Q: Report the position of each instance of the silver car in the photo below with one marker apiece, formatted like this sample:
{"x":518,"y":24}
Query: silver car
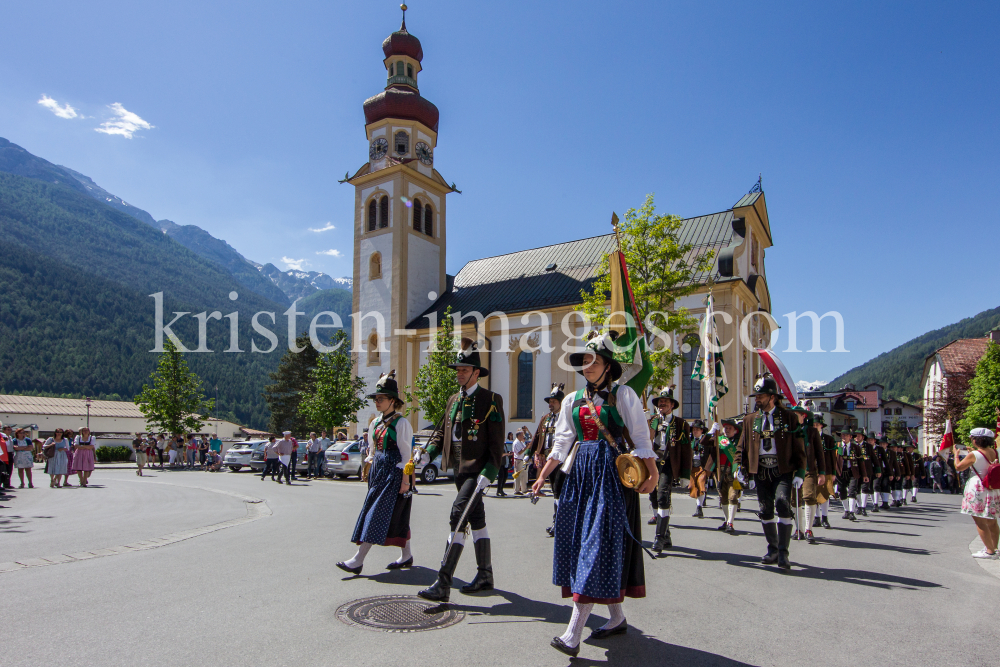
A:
{"x":343,"y":459}
{"x":238,"y":456}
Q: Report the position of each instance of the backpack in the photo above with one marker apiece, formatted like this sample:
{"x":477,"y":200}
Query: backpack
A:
{"x":991,"y":480}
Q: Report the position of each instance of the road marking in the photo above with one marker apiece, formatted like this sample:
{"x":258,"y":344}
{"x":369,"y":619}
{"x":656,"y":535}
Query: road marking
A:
{"x":256,"y":509}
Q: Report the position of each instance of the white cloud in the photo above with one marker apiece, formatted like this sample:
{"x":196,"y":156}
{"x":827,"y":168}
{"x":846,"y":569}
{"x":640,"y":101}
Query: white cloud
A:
{"x":325,"y":228}
{"x":294,"y":264}
{"x":125,"y":123}
{"x":65,"y":111}
{"x":332,"y":252}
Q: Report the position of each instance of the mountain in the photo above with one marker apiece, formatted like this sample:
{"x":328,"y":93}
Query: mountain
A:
{"x":333,"y":300}
{"x":899,"y":370}
{"x":298,"y":284}
{"x":16,"y":160}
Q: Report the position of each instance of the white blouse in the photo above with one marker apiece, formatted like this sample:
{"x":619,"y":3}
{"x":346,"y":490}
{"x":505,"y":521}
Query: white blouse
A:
{"x":404,"y":438}
{"x":629,"y":407}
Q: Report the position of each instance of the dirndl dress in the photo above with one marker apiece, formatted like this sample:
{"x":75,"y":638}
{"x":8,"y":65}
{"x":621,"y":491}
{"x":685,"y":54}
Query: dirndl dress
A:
{"x":595,"y":560}
{"x":385,"y":514}
{"x":979,"y":501}
{"x":58,"y":463}
{"x":24,"y":459}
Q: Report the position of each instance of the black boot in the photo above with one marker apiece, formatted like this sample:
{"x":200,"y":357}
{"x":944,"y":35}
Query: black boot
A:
{"x":885,"y":505}
{"x":662,"y":540}
{"x":652,"y":521}
{"x":826,"y":522}
{"x":847,"y":515}
{"x":864,"y":511}
{"x":698,"y":514}
{"x":483,"y":580}
{"x":771,"y":535}
{"x":875,"y":506}
{"x":441,"y":590}
{"x":816,"y":523}
{"x":784,"y":536}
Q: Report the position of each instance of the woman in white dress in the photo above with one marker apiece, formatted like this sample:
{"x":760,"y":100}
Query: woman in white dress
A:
{"x":24,"y":455}
{"x":58,"y":467}
{"x":979,"y":502}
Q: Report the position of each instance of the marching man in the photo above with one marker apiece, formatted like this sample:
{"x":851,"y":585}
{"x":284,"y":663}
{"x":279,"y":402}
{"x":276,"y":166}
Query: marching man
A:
{"x":541,"y":446}
{"x":672,"y":445}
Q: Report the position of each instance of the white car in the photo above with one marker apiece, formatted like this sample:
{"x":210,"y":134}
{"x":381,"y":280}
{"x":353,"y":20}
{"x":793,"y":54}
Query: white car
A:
{"x":238,"y":456}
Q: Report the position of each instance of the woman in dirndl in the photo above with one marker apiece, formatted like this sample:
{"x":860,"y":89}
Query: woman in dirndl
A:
{"x":385,"y":514}
{"x":83,"y":455}
{"x":24,"y":456}
{"x":981,"y":503}
{"x":598,"y":548}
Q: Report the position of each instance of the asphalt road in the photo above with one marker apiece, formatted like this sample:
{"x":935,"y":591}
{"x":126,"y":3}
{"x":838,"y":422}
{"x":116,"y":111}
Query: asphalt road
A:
{"x":261,"y":588}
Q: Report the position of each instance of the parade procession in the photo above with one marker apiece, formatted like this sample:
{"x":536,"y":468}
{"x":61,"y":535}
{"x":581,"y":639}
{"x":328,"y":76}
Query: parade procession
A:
{"x":661,"y":336}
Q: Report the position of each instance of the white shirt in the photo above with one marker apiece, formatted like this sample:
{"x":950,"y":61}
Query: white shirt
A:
{"x":456,"y":432}
{"x":767,"y":424}
{"x":324,"y":444}
{"x":404,"y":438}
{"x":517,"y":448}
{"x":629,"y":407}
{"x":313,"y":445}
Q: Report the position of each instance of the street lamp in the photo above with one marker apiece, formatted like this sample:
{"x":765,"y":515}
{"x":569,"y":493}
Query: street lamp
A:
{"x":88,"y":400}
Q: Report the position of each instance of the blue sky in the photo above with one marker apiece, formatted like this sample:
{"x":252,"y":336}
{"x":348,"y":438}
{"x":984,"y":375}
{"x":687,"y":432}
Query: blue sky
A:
{"x":875,"y":126}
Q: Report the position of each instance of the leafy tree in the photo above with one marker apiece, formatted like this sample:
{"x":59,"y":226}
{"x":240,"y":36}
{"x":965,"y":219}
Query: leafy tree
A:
{"x":292,"y":381}
{"x":897,"y":430}
{"x":175,"y":402}
{"x":435,"y":382}
{"x":661,"y":270}
{"x":335,"y":395}
{"x":952,"y":404}
{"x":983,"y":395}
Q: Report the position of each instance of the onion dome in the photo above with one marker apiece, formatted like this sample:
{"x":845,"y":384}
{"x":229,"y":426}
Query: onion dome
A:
{"x":402,"y":43}
{"x":401,"y":102}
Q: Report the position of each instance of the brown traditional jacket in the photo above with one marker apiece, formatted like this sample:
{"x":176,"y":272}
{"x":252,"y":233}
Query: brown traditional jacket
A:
{"x":471,"y":456}
{"x":678,"y":446}
{"x":892,"y":463}
{"x":709,"y":453}
{"x":815,"y":458}
{"x":789,"y":446}
{"x":545,"y":425}
{"x":830,"y":456}
{"x":851,"y":456}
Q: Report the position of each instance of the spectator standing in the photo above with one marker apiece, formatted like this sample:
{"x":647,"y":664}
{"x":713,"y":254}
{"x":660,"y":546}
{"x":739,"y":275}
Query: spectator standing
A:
{"x":270,"y":459}
{"x":24,"y":456}
{"x":71,"y":438}
{"x":7,"y":468}
{"x":313,"y":448}
{"x":935,"y":475}
{"x":520,"y":471}
{"x":284,"y":449}
{"x":83,"y":457}
{"x":192,"y":450}
{"x":161,"y":447}
{"x":979,"y":502}
{"x":215,"y":444}
{"x":202,"y":450}
{"x":57,"y":464}
{"x":172,"y":451}
{"x":293,"y":462}
{"x":504,"y":464}
{"x":139,"y":447}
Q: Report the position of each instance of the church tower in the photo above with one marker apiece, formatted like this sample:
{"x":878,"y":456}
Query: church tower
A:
{"x":399,"y":217}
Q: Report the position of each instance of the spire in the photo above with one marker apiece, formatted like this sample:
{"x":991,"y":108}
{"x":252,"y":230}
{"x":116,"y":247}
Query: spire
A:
{"x":402,"y":27}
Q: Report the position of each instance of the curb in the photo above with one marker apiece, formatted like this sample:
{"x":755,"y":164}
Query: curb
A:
{"x":991,"y":566}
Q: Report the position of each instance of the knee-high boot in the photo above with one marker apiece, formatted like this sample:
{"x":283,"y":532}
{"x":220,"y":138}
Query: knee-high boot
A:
{"x":662,"y":540}
{"x":771,"y":535}
{"x":441,"y":590}
{"x":483,"y":580}
{"x":784,"y":537}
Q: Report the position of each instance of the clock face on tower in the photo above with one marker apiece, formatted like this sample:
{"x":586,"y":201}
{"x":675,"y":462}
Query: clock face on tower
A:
{"x":378,"y":149}
{"x":424,"y":153}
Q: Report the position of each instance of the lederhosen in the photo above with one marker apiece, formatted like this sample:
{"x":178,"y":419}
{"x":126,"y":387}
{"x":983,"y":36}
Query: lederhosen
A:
{"x":385,"y":514}
{"x":660,"y":497}
{"x":774,"y":489}
{"x":595,"y":560}
{"x":850,"y":475}
{"x":701,"y":451}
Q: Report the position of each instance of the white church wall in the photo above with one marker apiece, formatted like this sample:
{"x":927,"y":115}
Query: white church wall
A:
{"x":422,"y":275}
{"x":373,"y":296}
{"x":543,"y":384}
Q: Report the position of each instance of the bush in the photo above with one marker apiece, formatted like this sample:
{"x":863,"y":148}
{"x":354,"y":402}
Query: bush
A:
{"x":110,"y":454}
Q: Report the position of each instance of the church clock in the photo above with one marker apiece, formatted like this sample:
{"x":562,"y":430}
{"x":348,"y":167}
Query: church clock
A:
{"x":378,"y":149}
{"x":424,"y":153}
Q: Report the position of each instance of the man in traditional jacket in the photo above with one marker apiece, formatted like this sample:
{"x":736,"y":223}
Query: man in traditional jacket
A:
{"x":832,"y":465}
{"x":541,"y":446}
{"x":672,"y":444}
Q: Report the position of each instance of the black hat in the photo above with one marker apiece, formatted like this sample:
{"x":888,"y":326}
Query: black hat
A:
{"x":386,"y":386}
{"x":872,"y":435}
{"x":735,"y":422}
{"x":557,"y":392}
{"x":819,"y":418}
{"x":600,"y":344}
{"x":697,"y":423}
{"x":469,"y":356}
{"x":766,"y":385}
{"x":668,"y":393}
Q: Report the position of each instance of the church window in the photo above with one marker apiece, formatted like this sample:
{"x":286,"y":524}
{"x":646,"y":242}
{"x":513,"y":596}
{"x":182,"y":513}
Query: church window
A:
{"x":383,"y":212}
{"x":525,"y":381}
{"x":409,"y":71}
{"x":753,"y":252}
{"x":374,"y":357}
{"x":391,"y":65}
{"x":692,"y":388}
{"x":375,"y":266}
{"x":402,"y":143}
{"x":418,"y":214}
{"x":428,"y":221}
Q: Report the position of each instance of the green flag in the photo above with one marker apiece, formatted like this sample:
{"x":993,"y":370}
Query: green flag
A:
{"x":632,"y":351}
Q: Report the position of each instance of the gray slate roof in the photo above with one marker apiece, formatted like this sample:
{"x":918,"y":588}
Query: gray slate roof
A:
{"x":518,"y":282}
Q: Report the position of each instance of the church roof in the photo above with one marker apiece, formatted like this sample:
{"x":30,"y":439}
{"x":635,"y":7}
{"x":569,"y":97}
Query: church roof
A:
{"x":519,"y":281}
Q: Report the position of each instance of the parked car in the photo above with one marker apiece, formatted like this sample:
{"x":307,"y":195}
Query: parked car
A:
{"x":432,"y":471}
{"x":238,"y":456}
{"x":303,"y":459}
{"x":343,"y":459}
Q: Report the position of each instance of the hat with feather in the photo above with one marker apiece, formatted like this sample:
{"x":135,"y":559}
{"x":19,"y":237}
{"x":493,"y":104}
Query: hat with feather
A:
{"x":600,"y":343}
{"x":557,"y":392}
{"x":469,"y":356}
{"x":665,"y":393}
{"x":386,"y":386}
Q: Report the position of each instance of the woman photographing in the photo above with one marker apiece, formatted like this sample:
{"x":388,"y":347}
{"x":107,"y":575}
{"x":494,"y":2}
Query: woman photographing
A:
{"x":981,"y":503}
{"x":598,"y":555}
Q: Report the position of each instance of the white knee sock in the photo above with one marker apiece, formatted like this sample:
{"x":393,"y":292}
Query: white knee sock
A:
{"x":808,"y":513}
{"x":730,"y":512}
{"x":617,"y":616}
{"x":457,"y":538}
{"x":665,"y":512}
{"x":480,"y":534}
{"x":913,"y":493}
{"x":405,"y":555}
{"x":864,"y":500}
{"x":787,"y":522}
{"x":359,"y":558}
{"x":574,"y":632}
{"x":824,"y":508}
{"x":701,"y":500}
{"x":852,"y":504}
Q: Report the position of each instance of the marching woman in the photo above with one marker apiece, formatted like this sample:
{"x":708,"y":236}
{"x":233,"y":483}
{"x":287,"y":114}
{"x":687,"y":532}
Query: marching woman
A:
{"x":598,"y":556}
{"x":385,"y":515}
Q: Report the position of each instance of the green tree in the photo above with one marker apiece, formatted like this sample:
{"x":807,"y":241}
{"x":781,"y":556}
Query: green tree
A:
{"x":661,"y":270}
{"x":292,"y":381}
{"x":435,"y":382}
{"x":983,"y":395}
{"x":335,"y":394}
{"x":175,"y":402}
{"x":897,"y":430}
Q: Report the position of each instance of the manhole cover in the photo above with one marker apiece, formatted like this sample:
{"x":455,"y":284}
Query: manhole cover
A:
{"x":398,"y":613}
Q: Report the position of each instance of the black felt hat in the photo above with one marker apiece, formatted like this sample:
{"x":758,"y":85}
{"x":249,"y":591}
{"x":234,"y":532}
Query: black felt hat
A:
{"x":601,"y":344}
{"x":665,"y":393}
{"x":386,"y":386}
{"x":557,"y":392}
{"x":469,"y":356}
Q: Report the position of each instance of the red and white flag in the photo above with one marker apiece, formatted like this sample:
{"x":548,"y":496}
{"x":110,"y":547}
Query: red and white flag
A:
{"x":781,"y":375}
{"x":948,"y":441}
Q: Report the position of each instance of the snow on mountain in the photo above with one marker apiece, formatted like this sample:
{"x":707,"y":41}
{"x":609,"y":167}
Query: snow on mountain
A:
{"x":806,"y":385}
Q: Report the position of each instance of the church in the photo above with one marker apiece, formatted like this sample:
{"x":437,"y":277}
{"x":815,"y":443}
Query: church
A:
{"x":402,"y":289}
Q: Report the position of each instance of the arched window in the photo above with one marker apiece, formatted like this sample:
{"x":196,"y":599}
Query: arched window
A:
{"x":418,"y":213}
{"x":374,"y":357}
{"x":375,"y":266}
{"x":692,"y":388}
{"x":390,"y":68}
{"x":402,"y":143}
{"x":409,"y":71}
{"x":383,"y":212}
{"x":428,"y":221}
{"x":525,"y":381}
{"x":372,"y":216}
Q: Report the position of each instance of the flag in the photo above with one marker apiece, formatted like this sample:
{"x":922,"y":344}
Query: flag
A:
{"x":710,"y":368}
{"x":780,"y":373}
{"x":3,"y":449}
{"x":948,"y":440}
{"x":631,"y":351}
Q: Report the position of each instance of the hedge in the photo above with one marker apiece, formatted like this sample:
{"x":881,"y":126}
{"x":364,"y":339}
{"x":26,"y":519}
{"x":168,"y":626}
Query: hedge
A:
{"x":117,"y":453}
